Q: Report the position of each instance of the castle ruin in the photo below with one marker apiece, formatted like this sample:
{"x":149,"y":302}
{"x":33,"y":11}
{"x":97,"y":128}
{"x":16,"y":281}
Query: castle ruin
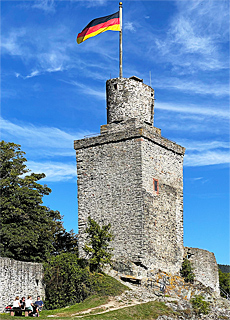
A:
{"x":132,"y":177}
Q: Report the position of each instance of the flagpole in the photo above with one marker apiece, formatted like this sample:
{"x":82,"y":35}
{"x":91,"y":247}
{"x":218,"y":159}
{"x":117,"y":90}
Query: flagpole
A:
{"x":120,"y":41}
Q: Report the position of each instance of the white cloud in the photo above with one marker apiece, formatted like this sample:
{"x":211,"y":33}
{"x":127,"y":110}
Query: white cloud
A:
{"x":196,"y":36}
{"x":88,"y":90}
{"x":54,"y":171}
{"x":41,"y":143}
{"x":204,"y":145}
{"x":49,"y":53}
{"x":205,"y":152}
{"x":92,"y":3}
{"x":194,"y":109}
{"x":129,"y":26}
{"x":11,"y":43}
{"x":46,"y":5}
{"x":214,"y":89}
{"x":49,"y":141}
{"x":207,"y":158}
{"x":36,"y":73}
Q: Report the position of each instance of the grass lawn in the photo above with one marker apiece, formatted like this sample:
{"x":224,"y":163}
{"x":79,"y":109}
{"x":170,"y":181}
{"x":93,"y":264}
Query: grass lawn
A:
{"x":145,"y":311}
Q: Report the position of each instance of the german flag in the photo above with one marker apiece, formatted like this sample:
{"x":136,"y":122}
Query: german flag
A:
{"x":99,"y":25}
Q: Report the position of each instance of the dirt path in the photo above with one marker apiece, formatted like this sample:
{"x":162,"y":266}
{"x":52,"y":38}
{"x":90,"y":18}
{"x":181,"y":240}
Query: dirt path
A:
{"x":110,"y":306}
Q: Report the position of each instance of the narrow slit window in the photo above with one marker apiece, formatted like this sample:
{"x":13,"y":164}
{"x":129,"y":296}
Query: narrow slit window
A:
{"x":155,"y":186}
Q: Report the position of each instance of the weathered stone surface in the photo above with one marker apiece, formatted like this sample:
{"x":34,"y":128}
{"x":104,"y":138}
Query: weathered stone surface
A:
{"x":132,"y":177}
{"x":205,"y":267}
{"x":19,"y":278}
{"x":128,"y":98}
{"x":116,"y":174}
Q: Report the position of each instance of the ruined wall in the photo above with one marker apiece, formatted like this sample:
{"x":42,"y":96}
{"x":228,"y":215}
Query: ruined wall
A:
{"x":19,"y":278}
{"x":204,"y":266}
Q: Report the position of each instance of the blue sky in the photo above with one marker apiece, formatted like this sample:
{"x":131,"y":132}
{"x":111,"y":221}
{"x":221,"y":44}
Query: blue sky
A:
{"x":53,"y":92}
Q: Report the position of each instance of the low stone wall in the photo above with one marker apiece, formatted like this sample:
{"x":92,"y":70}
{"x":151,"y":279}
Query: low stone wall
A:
{"x":204,"y":266}
{"x":19,"y":278}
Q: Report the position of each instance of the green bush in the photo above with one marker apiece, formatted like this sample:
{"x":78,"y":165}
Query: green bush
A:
{"x":67,"y":282}
{"x":200,"y":305}
{"x":187,"y":271}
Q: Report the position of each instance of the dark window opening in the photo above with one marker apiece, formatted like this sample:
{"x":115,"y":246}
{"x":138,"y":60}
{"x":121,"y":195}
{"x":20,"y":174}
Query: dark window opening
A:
{"x":155,"y":186}
{"x":115,"y":86}
{"x":37,"y":281}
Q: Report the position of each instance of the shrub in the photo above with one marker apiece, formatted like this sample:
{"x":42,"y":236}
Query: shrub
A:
{"x":67,"y":282}
{"x":200,"y":305}
{"x":187,"y":271}
{"x":97,"y":245}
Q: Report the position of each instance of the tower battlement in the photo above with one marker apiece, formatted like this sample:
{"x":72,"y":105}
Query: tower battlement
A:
{"x":129,"y":98}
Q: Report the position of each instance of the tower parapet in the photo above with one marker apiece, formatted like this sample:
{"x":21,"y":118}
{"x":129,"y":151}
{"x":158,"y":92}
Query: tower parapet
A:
{"x":129,"y":98}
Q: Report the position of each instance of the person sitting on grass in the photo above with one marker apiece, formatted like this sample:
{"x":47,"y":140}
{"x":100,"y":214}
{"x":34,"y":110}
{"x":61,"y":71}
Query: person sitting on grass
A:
{"x":29,"y":304}
{"x":17,"y":305}
{"x":39,"y":303}
{"x":22,"y":302}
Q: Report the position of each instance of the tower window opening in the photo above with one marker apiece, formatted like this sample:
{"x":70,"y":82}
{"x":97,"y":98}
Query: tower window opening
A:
{"x":115,"y":86}
{"x":155,"y":186}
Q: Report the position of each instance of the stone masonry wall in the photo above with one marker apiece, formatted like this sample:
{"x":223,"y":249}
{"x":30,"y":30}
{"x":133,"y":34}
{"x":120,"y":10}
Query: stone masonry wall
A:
{"x":129,"y":98}
{"x":109,"y":190}
{"x":204,"y":266}
{"x":19,"y":278}
{"x":163,"y":210}
{"x":115,"y":185}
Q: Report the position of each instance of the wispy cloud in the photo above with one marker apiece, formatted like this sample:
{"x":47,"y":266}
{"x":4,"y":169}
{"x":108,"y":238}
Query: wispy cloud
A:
{"x":36,"y":73}
{"x":49,"y":53}
{"x":129,"y":26}
{"x":207,"y":158}
{"x":46,"y":5}
{"x":93,"y":3}
{"x":54,"y":171}
{"x":195,"y":37}
{"x":197,"y":86}
{"x":205,"y":152}
{"x":201,"y":146}
{"x":42,"y":143}
{"x":194,"y":109}
{"x":87,"y":89}
{"x":52,"y":141}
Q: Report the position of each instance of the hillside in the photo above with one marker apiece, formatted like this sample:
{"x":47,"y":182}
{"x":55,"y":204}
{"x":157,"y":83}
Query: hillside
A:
{"x":115,"y":301}
{"x":224,"y":268}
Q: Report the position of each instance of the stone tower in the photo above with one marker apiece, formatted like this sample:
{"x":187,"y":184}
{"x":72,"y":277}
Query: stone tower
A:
{"x":132,"y":177}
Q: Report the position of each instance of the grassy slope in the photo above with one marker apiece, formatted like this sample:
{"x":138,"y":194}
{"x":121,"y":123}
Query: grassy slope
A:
{"x":145,"y":311}
{"x":105,"y":286}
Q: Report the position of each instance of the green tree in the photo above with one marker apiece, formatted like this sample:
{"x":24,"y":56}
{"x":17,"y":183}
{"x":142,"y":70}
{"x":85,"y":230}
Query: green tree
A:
{"x":29,"y":230}
{"x":97,"y":245}
{"x":187,"y":271}
{"x":224,"y":280}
